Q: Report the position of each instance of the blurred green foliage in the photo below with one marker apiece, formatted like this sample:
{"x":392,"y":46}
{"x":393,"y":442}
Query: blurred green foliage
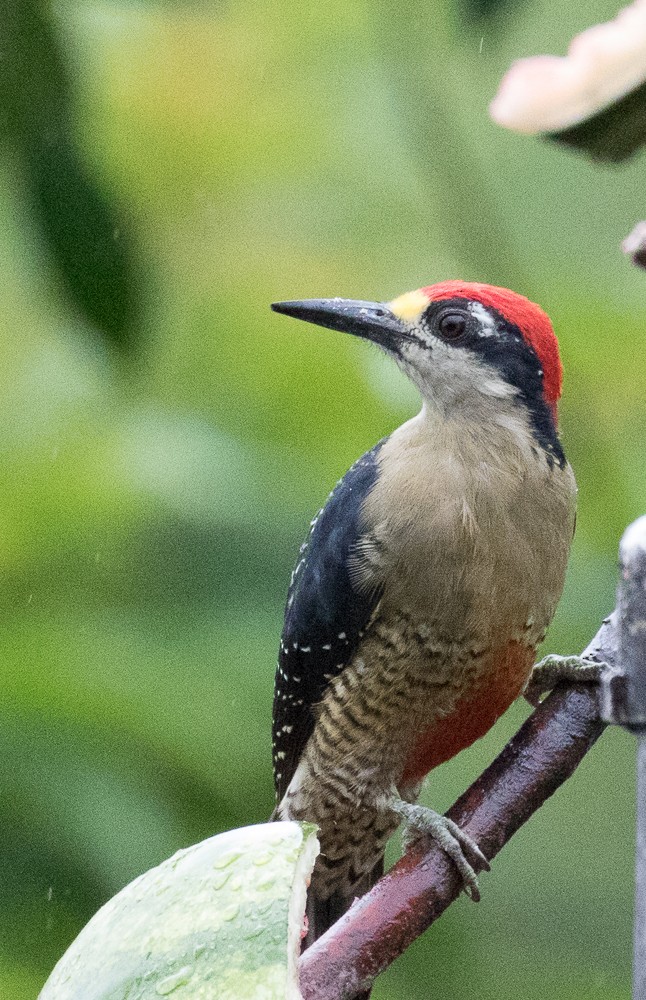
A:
{"x":168,"y":170}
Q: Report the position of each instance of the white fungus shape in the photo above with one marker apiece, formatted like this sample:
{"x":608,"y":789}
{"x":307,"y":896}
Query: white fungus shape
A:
{"x":551,"y":93}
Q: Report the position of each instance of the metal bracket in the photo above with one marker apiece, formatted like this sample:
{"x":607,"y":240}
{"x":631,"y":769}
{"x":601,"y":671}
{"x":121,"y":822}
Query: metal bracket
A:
{"x":623,"y":702}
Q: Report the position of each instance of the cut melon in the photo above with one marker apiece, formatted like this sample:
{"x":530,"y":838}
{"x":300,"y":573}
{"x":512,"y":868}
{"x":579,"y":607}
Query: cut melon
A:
{"x":218,"y":921}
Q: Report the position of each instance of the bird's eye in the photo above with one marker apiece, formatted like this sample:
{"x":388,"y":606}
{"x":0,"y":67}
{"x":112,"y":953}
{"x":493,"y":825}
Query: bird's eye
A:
{"x":452,"y":325}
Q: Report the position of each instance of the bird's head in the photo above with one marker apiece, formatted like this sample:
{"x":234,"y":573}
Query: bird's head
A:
{"x":466,"y":346}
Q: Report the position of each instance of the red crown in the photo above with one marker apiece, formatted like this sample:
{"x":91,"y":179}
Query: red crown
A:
{"x":534,"y":325}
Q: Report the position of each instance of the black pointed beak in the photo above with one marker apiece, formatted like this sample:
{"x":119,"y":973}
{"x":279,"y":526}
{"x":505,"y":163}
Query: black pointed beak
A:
{"x":370,"y":320}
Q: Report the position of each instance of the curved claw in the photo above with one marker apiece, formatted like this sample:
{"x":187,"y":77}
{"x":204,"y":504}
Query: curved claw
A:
{"x":554,"y":668}
{"x":457,"y":848}
{"x":453,"y":840}
{"x":468,"y":843}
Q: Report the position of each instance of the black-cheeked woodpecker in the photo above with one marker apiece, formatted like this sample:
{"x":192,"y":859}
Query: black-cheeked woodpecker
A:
{"x":427,"y":581}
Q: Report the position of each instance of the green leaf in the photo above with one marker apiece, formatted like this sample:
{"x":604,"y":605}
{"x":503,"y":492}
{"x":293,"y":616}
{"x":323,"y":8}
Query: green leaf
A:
{"x":82,"y":231}
{"x":218,"y":920}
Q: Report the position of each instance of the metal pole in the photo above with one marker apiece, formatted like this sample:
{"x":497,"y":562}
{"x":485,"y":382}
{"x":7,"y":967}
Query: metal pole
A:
{"x":639,"y":967}
{"x":624,"y":703}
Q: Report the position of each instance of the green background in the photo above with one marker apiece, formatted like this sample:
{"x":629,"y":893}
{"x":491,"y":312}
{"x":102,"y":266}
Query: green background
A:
{"x":167,"y":170}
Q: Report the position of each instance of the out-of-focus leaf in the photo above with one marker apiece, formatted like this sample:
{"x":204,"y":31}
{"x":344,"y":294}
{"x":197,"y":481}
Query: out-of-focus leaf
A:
{"x":480,"y":11}
{"x":220,"y":920}
{"x":612,"y":135}
{"x":90,"y":248}
{"x":86,"y":241}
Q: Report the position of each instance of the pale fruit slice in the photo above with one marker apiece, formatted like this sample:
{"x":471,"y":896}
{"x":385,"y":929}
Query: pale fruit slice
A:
{"x":219,"y":921}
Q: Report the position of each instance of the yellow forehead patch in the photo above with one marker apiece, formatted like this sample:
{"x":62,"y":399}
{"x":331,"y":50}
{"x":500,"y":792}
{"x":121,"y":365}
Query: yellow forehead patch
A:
{"x":409,"y":306}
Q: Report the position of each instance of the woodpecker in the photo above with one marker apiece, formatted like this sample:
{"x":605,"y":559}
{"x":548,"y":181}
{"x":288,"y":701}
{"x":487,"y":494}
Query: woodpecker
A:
{"x":427,"y":581}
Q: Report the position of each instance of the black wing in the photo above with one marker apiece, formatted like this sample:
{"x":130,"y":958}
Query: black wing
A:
{"x":324,"y":619}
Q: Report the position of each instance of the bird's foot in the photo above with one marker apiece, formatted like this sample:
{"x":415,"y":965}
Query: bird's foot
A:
{"x":421,"y":821}
{"x":553,"y":669}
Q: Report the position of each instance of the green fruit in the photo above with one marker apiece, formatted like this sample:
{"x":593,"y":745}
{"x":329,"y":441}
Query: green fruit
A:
{"x":218,"y":921}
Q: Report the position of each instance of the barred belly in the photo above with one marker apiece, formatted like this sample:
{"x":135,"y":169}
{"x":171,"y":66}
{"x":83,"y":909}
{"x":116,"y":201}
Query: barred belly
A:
{"x":406,"y":703}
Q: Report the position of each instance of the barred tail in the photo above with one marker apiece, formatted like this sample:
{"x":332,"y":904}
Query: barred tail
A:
{"x":322,"y":913}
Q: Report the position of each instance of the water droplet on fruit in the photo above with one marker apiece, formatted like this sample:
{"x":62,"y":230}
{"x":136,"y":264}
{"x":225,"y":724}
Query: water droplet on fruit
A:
{"x":230,"y":912}
{"x":254,"y":932}
{"x":262,"y":859}
{"x":226,"y":859}
{"x":173,"y":982}
{"x":219,"y":880}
